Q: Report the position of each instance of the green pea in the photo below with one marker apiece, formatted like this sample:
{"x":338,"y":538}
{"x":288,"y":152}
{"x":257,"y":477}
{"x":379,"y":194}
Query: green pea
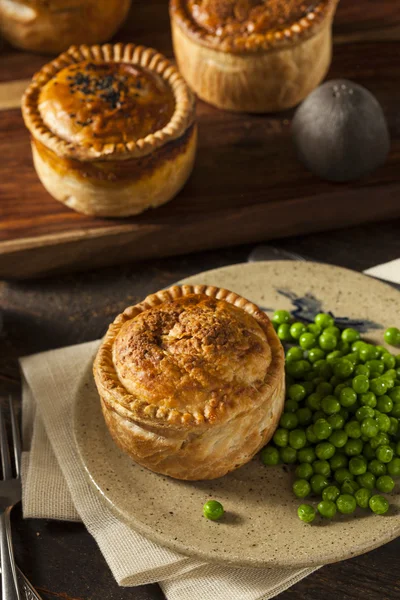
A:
{"x":324,"y":389}
{"x":344,"y":347}
{"x":360,"y":384}
{"x":288,"y":455}
{"x":392,"y":336}
{"x":281,"y":316}
{"x":394,"y":394}
{"x":368,"y":399}
{"x":297,"y":439}
{"x":358,"y":465}
{"x":350,"y":335}
{"x":366,"y":352}
{"x":377,"y":366}
{"x":294,"y":354}
{"x":333,"y":356}
{"x":289,"y":421}
{"x":343,"y":368}
{"x":310,"y":435}
{"x":297,"y":329}
{"x":338,"y":438}
{"x":314,"y":329}
{"x":398,"y":448}
{"x":364,"y":412}
{"x":368,"y":451}
{"x":355,"y":346}
{"x":325,"y":450}
{"x":378,"y":386}
{"x":307,"y":341}
{"x":318,"y":483}
{"x":322,"y":467}
{"x":304,"y":471}
{"x":322,"y":429}
{"x":353,"y":447}
{"x":385,"y":484}
{"x":349,"y":487}
{"x":281,"y":437}
{"x":319,"y":414}
{"x":384,"y":454}
{"x":369,"y":427}
{"x":389,"y":360}
{"x":315,"y":354}
{"x":308,"y":386}
{"x":353,"y":358}
{"x":324,"y":320}
{"x":341,"y":475}
{"x":337,"y":421}
{"x":330,"y":493}
{"x":297,"y":392}
{"x":327,"y":341}
{"x":327,"y":509}
{"x":301,"y":488}
{"x":344,"y":413}
{"x":291,"y":406}
{"x":353,"y":429}
{"x":384,"y":404}
{"x":394,"y":426}
{"x":339,"y":461}
{"x":298,"y":368}
{"x":362,"y":497}
{"x":270,"y":456}
{"x":313,"y":401}
{"x":378,"y":504}
{"x":306,"y":513}
{"x":213,"y":510}
{"x":304,"y":416}
{"x":306,"y":455}
{"x":323,"y":369}
{"x":383,"y":422}
{"x":362,"y":370}
{"x":330,"y":405}
{"x":377,"y":467}
{"x":348,"y":397}
{"x":393,"y":468}
{"x":366,"y":480}
{"x":346,"y":504}
{"x":284,"y":333}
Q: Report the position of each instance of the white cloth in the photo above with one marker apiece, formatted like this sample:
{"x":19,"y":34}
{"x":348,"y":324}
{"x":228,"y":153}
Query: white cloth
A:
{"x":389,"y":271}
{"x":55,"y":487}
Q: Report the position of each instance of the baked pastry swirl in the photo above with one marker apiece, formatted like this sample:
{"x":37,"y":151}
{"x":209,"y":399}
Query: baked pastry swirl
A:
{"x":191,"y":381}
{"x":113,"y":129}
{"x":252,"y":55}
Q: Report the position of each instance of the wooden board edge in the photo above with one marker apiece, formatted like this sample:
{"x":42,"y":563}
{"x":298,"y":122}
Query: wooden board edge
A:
{"x":250,"y":224}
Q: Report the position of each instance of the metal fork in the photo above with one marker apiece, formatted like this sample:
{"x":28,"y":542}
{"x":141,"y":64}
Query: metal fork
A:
{"x":10,"y":494}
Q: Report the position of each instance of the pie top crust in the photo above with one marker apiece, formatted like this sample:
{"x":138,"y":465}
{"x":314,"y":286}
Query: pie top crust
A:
{"x":106,"y":102}
{"x":250,"y":25}
{"x":188,"y":356}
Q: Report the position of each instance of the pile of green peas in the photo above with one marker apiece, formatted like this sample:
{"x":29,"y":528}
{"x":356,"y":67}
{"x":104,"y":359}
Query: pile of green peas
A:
{"x":340,"y":424}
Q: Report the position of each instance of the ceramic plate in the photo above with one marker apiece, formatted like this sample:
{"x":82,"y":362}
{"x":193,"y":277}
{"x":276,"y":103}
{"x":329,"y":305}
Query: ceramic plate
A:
{"x":260,"y":527}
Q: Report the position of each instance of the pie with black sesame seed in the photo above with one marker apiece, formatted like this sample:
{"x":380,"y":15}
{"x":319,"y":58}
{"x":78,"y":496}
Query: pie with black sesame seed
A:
{"x":253,"y":55}
{"x":113,"y":129}
{"x":191,"y":381}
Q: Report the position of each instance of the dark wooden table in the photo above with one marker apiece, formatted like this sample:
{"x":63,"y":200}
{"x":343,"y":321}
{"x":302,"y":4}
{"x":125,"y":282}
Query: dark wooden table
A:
{"x":61,"y":559}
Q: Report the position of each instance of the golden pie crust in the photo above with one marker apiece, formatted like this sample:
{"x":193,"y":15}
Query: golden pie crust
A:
{"x":191,"y":381}
{"x":113,"y":128}
{"x":252,"y":55}
{"x":51,"y":26}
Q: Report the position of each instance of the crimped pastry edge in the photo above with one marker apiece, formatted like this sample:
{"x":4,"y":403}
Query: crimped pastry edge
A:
{"x":181,"y":119}
{"x":130,"y":407}
{"x":271,"y":40}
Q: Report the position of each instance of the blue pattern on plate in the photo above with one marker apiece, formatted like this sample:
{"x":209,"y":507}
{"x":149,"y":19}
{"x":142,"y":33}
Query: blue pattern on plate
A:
{"x":306,"y":307}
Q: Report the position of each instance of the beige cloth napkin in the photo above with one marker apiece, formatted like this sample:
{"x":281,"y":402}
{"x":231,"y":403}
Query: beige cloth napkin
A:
{"x":55,"y":487}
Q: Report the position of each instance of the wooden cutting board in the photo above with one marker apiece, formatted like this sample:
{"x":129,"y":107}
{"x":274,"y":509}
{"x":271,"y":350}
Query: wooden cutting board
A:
{"x":247,"y":184}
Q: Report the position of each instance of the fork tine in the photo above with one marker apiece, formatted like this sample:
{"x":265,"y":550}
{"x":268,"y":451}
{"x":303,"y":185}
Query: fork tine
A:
{"x":5,"y":453}
{"x":16,"y":437}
